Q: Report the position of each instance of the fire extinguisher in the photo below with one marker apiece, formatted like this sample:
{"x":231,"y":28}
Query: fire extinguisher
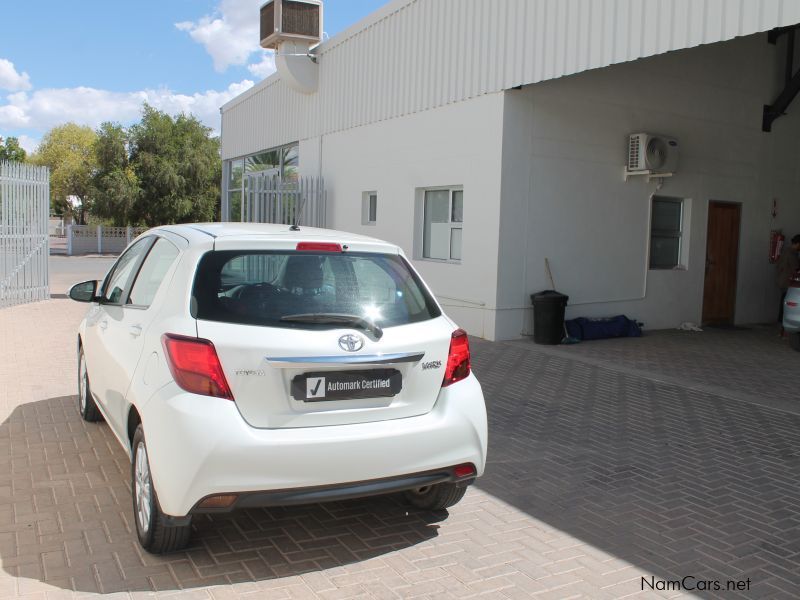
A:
{"x":776,"y":239}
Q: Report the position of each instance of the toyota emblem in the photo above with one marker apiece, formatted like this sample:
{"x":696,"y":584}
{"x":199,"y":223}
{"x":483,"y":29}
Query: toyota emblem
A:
{"x":351,"y":343}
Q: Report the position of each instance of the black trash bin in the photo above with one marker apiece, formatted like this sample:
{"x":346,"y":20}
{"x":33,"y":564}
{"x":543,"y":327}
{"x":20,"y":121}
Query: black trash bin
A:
{"x":548,"y":316}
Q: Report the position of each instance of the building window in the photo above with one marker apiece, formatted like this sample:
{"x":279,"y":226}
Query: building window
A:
{"x":666,"y":232}
{"x":443,"y":215}
{"x":369,"y":208}
{"x":280,"y":162}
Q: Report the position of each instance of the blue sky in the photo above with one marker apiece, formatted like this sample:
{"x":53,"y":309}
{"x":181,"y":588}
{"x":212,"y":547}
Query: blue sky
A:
{"x":98,"y":60}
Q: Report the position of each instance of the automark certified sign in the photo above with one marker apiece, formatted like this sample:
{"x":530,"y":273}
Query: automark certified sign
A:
{"x":351,"y":343}
{"x":346,"y":385}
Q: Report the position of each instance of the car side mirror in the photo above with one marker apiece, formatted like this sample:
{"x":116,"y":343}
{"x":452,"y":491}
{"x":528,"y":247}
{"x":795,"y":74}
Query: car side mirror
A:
{"x":84,"y":292}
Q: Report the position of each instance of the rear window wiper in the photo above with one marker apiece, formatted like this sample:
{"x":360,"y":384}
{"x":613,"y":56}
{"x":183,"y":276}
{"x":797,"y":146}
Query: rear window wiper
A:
{"x":355,"y":320}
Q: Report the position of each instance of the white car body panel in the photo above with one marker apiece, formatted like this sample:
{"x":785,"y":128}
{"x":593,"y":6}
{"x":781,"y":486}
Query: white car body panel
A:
{"x":220,"y":453}
{"x":245,"y":353}
{"x":201,"y":445}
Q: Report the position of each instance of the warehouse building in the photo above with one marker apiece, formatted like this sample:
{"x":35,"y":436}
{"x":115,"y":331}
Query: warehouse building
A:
{"x":646,"y":149}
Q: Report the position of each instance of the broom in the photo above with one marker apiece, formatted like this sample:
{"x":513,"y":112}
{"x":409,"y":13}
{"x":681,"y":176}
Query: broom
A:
{"x":567,"y":339}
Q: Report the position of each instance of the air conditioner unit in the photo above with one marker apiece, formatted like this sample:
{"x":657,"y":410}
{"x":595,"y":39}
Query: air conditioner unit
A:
{"x":290,"y":20}
{"x":650,"y":153}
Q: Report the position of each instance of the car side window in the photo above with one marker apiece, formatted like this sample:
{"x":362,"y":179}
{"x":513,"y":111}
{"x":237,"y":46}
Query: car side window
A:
{"x":155,"y":266}
{"x":119,"y":279}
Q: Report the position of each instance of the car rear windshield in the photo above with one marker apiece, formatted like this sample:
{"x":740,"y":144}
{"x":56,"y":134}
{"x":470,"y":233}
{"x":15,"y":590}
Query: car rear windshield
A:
{"x":274,"y":288}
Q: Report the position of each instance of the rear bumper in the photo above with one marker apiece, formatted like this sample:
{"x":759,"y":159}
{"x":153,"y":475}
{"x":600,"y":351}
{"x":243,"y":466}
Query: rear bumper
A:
{"x":200,"y":446}
{"x":791,"y":314}
{"x":330,"y":493}
{"x":791,"y":319}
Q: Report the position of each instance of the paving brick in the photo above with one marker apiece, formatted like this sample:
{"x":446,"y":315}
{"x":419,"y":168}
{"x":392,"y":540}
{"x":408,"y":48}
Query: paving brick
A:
{"x":608,"y":461}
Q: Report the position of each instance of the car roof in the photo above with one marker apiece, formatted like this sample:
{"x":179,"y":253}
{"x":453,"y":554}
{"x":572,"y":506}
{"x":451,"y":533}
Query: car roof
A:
{"x":205,"y":232}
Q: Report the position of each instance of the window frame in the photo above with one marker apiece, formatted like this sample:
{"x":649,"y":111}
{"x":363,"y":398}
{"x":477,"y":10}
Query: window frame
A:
{"x":667,"y":233}
{"x":420,"y":227}
{"x":366,"y":208}
{"x":139,"y":271}
{"x":227,"y":168}
{"x":148,"y":241}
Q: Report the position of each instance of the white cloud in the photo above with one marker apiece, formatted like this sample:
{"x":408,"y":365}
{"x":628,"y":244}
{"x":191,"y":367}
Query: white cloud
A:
{"x":10,"y":79}
{"x":42,"y":109}
{"x":28,"y":143}
{"x":265,"y":67}
{"x":230,"y":35}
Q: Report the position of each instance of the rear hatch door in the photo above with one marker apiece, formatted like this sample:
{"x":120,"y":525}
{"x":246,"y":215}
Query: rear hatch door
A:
{"x":320,"y":337}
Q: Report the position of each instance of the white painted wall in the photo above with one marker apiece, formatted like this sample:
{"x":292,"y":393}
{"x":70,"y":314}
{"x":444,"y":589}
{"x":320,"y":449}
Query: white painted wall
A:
{"x":414,"y":55}
{"x":563,"y":195}
{"x":455,"y":145}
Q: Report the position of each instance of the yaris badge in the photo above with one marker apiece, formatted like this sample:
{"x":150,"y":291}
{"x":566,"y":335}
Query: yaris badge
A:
{"x":351,"y":343}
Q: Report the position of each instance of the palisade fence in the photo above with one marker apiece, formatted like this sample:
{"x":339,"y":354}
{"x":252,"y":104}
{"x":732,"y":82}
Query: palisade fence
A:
{"x":24,"y":239}
{"x":269,"y":199}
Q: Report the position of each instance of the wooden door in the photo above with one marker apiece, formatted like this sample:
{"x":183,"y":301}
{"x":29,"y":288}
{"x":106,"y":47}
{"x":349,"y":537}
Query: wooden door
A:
{"x":722,"y":258}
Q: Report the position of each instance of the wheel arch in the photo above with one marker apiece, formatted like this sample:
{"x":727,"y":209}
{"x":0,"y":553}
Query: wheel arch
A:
{"x":134,"y":420}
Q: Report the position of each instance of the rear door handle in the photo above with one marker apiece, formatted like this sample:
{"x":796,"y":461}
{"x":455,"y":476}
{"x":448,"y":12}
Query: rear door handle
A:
{"x":135,"y":330}
{"x":103,"y":324}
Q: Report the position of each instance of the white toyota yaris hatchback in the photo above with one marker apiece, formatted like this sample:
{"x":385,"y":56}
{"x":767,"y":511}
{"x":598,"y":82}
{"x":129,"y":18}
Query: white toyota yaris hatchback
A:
{"x":260,"y":365}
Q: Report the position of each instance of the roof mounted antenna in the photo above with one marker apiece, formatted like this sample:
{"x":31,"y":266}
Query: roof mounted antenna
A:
{"x":298,"y":214}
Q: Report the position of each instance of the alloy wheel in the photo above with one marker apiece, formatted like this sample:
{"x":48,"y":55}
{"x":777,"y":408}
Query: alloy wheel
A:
{"x":83,"y":384}
{"x":143,"y":491}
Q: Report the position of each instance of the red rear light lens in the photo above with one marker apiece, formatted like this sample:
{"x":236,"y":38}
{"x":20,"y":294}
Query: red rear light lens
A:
{"x":319,"y":247}
{"x":458,"y":364}
{"x":791,"y":304}
{"x":465,"y":470}
{"x":195,"y":366}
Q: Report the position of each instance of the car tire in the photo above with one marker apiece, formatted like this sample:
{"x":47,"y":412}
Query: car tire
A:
{"x":436,"y":497}
{"x":794,"y":341}
{"x":156,"y":534}
{"x":86,"y":405}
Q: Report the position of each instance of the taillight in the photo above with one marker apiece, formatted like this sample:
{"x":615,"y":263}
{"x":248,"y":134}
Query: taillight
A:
{"x":195,"y":366}
{"x":318,"y":247}
{"x":458,"y":365}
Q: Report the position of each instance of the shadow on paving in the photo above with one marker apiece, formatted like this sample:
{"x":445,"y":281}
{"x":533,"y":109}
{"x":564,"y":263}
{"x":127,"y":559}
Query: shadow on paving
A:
{"x":676,"y":482}
{"x":66,"y":518}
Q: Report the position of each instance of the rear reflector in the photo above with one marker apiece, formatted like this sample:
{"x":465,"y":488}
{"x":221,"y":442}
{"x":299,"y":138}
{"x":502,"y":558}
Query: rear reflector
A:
{"x":319,"y":247}
{"x":467,"y":470}
{"x":221,"y":501}
{"x":195,"y":366}
{"x":790,"y":303}
{"x":458,"y":362}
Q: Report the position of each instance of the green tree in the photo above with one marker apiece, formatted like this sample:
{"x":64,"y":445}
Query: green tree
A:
{"x":177,"y":164}
{"x":69,"y":151}
{"x":11,"y":150}
{"x":115,"y":186}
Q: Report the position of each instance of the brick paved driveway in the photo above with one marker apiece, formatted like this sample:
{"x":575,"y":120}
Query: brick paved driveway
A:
{"x":599,"y":474}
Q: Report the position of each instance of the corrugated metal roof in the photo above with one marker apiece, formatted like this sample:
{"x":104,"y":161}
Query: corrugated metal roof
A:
{"x":413,"y":55}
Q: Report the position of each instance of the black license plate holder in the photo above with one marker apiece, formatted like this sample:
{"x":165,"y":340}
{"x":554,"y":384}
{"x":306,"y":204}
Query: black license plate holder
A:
{"x":326,"y":386}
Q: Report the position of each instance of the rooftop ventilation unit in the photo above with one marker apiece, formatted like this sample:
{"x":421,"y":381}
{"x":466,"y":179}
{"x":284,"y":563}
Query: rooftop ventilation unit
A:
{"x":292,"y":28}
{"x":650,"y":154}
{"x":291,"y":20}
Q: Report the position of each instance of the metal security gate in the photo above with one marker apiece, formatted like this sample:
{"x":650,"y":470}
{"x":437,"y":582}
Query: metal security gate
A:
{"x":268,"y":199}
{"x":24,"y":239}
